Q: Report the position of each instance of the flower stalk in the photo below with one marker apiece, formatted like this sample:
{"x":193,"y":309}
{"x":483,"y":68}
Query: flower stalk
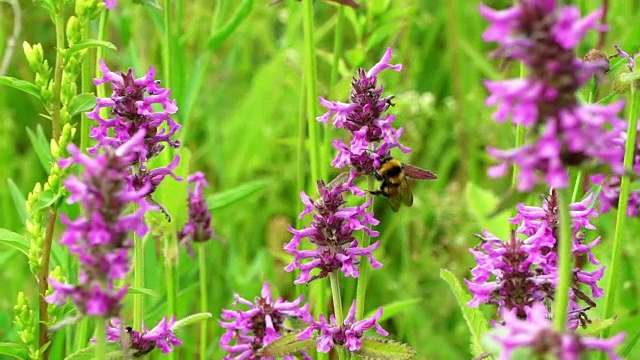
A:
{"x":42,"y":281}
{"x":621,"y":216}
{"x":361,"y":289}
{"x":565,"y":263}
{"x":311,"y":93}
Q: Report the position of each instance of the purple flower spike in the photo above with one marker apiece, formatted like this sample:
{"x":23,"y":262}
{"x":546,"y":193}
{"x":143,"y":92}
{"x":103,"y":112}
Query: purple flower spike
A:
{"x":247,"y":331}
{"x":347,"y":334}
{"x":100,"y":237}
{"x":198,"y":227}
{"x":542,"y":35}
{"x":331,"y":231}
{"x":517,"y":274}
{"x":144,"y":341}
{"x":363,"y":118}
{"x":110,"y":4}
{"x":130,"y":110}
{"x":537,"y":333}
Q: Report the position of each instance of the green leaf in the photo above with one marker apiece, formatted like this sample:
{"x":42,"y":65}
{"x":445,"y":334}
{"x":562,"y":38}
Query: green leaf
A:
{"x":479,"y":202}
{"x":394,"y":308}
{"x":473,"y":316}
{"x":383,"y":349}
{"x":13,"y":350}
{"x":596,"y":326}
{"x":21,"y":85}
{"x":224,"y":198}
{"x":632,"y":343}
{"x":113,"y":351}
{"x":46,"y":199}
{"x":41,"y":147}
{"x":241,"y":13}
{"x":142,"y":291}
{"x":81,"y":103}
{"x":18,"y":200}
{"x":14,"y":240}
{"x":190,"y":320}
{"x":82,"y":45}
{"x":285,"y":345}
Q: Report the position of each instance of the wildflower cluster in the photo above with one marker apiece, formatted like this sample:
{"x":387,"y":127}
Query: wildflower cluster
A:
{"x":261,"y":324}
{"x":349,"y":333}
{"x":517,"y":274}
{"x":543,"y":36}
{"x":100,"y":237}
{"x":372,"y":134}
{"x":198,"y":227}
{"x":537,"y":334}
{"x":331,"y":233}
{"x":144,"y":341}
{"x":131,"y":110}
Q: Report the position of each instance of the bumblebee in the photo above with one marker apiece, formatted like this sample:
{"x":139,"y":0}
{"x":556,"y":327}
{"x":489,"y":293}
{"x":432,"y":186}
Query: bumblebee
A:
{"x":395,"y":186}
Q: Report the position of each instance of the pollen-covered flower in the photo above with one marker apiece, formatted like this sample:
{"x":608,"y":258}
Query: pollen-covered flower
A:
{"x":247,"y":331}
{"x":135,"y":104}
{"x":542,"y":35}
{"x":100,"y":237}
{"x":143,"y":342}
{"x":331,"y":233}
{"x":364,"y":118}
{"x":347,"y":334}
{"x":198,"y":227}
{"x":517,"y":274}
{"x":537,"y":334}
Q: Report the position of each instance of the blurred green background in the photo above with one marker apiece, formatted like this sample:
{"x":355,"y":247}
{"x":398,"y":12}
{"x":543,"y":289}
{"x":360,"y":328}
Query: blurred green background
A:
{"x":241,"y":101}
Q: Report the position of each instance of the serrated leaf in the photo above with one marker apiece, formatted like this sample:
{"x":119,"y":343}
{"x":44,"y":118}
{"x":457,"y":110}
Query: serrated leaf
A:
{"x":142,"y":291}
{"x":479,"y":202}
{"x":14,"y":240}
{"x":82,"y":45}
{"x":113,"y":351}
{"x":224,"y":198}
{"x":285,"y":345}
{"x":473,"y":316}
{"x":394,"y":308}
{"x":41,"y":147}
{"x":190,"y":320}
{"x":13,"y":350}
{"x":384,"y":349}
{"x":81,"y":103}
{"x":596,"y":326}
{"x":19,"y":200}
{"x":21,"y":85}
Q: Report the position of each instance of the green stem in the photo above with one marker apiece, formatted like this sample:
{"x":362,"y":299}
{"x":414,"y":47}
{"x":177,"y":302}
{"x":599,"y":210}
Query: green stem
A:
{"x":576,"y":187}
{"x":85,"y":83}
{"x":361,"y":290}
{"x":621,"y":216}
{"x":43,"y":282}
{"x":337,"y":304}
{"x":311,"y":95}
{"x":56,"y":125}
{"x":101,"y":340}
{"x":170,"y":274}
{"x":101,"y":90}
{"x":168,"y":43}
{"x":202,"y":260}
{"x":81,"y":334}
{"x":565,"y":260}
{"x":138,"y":281}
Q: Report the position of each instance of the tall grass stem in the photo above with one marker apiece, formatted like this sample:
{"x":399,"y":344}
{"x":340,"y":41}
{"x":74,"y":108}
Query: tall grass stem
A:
{"x":621,"y":217}
{"x":310,"y":74}
{"x":361,"y":289}
{"x":101,"y":339}
{"x":202,"y":261}
{"x":337,"y":303}
{"x":565,"y":263}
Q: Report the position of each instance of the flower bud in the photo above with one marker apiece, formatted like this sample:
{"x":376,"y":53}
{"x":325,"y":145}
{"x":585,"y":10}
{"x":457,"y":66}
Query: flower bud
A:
{"x":34,"y":54}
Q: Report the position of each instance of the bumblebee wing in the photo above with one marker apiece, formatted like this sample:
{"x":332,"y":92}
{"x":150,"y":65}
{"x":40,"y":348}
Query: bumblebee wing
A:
{"x":395,"y":203}
{"x":339,"y":180}
{"x":404,"y":191}
{"x":415,"y":172}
